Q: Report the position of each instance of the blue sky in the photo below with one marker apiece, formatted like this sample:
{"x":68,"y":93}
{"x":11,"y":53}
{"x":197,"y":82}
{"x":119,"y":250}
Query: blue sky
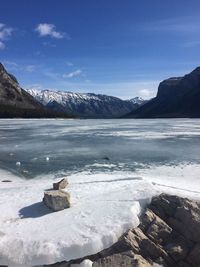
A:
{"x":116,"y":47}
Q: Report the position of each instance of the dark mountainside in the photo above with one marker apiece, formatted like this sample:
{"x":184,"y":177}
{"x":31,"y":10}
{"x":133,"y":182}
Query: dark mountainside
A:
{"x":176,"y":98}
{"x":16,"y":102}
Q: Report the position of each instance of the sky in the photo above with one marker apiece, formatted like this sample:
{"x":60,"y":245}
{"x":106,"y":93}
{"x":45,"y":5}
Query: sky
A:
{"x":122,"y":48}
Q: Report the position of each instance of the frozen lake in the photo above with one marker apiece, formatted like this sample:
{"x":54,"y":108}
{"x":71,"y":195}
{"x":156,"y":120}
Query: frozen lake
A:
{"x":114,"y":167}
{"x":86,"y":145}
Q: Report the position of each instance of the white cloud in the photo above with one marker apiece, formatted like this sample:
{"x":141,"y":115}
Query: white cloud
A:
{"x":5,"y":34}
{"x":45,"y":29}
{"x":146,"y":93}
{"x":2,"y":45}
{"x":73,"y":74}
{"x":1,"y":25}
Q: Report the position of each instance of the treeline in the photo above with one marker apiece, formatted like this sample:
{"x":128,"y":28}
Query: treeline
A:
{"x":14,"y":112}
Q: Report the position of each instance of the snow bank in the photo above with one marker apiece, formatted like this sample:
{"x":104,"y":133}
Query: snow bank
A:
{"x":103,"y":208}
{"x":85,"y":263}
{"x":182,"y":179}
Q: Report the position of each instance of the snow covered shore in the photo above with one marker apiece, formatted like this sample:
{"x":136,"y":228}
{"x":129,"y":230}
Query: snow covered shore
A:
{"x":103,"y":208}
{"x":101,"y":211}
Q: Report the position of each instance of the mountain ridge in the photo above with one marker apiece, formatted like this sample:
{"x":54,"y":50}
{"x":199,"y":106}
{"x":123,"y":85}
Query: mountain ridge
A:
{"x":17,"y":102}
{"x":177,"y":97}
{"x":85,"y":105}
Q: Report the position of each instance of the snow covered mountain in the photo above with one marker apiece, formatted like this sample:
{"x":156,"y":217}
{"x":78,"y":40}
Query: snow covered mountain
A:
{"x":86,"y":105}
{"x":138,"y":101}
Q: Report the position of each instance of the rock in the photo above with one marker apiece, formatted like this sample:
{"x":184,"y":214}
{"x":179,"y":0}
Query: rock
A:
{"x":139,"y":261}
{"x":168,"y":236}
{"x":156,"y":229}
{"x":126,"y":259}
{"x":194,"y":256}
{"x":60,"y":185}
{"x":6,"y":181}
{"x":56,"y":200}
{"x":177,"y":252}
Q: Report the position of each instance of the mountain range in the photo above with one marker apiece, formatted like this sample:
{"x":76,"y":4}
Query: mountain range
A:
{"x":176,"y":97}
{"x":86,"y":105}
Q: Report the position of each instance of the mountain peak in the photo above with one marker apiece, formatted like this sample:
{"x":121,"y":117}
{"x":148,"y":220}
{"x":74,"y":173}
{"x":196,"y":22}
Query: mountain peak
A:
{"x":196,"y":71}
{"x":137,"y":100}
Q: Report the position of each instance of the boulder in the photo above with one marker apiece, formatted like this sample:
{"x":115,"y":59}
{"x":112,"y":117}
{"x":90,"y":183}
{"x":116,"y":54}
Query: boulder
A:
{"x":168,"y":236}
{"x":60,"y":185}
{"x":125,"y":259}
{"x":56,"y":200}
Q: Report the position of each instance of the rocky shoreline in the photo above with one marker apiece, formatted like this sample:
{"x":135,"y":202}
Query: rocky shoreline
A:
{"x":168,"y":235}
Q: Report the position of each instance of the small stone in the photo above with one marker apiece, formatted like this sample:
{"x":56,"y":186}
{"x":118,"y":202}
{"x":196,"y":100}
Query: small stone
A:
{"x":56,"y":200}
{"x":6,"y":181}
{"x":106,"y":158}
{"x":60,"y":185}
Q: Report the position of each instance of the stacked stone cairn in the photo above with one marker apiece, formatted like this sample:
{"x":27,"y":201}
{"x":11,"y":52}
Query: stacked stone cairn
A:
{"x":57,"y":199}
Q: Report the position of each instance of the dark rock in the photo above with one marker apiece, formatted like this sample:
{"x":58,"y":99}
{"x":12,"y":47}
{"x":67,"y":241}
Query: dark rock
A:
{"x":16,"y":102}
{"x":6,"y":181}
{"x":194,"y":256}
{"x":177,"y":252}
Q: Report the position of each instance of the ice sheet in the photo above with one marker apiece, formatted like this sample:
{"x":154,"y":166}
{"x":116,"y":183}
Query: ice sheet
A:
{"x":103,"y":207}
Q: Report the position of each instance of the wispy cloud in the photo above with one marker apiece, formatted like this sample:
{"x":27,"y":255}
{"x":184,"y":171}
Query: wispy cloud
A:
{"x":75,"y":73}
{"x":2,"y":45}
{"x":5,"y":34}
{"x":182,"y":25}
{"x":13,"y":66}
{"x":10,"y":65}
{"x":48,"y":44}
{"x":30,"y":68}
{"x":45,"y":29}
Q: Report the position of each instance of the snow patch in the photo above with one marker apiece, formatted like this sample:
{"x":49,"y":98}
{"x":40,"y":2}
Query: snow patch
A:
{"x":102,"y":209}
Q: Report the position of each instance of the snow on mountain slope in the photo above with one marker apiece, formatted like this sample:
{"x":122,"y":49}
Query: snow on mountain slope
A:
{"x":138,"y":100}
{"x":86,"y":105}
